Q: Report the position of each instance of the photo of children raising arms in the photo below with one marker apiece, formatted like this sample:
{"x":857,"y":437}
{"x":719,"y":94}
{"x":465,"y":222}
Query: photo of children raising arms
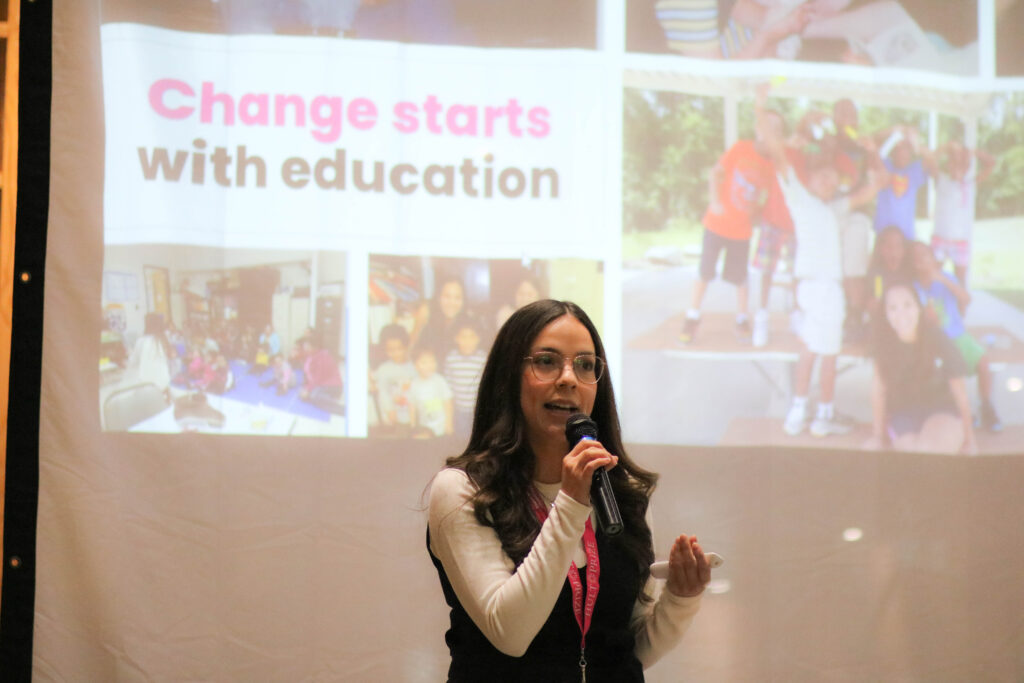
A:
{"x":432,"y":320}
{"x":846,"y":200}
{"x":819,"y":213}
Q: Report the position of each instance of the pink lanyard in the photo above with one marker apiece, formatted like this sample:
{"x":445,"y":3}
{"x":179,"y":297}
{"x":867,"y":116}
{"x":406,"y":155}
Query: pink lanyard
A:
{"x":583,"y":613}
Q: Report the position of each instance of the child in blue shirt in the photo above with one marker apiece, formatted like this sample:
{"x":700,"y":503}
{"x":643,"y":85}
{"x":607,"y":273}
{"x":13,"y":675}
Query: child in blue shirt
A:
{"x":909,"y":166}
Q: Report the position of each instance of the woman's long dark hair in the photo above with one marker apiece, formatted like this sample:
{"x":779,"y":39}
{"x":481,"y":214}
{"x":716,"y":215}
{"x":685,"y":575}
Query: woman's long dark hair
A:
{"x":920,"y":354}
{"x":438,"y":333}
{"x":499,"y":459}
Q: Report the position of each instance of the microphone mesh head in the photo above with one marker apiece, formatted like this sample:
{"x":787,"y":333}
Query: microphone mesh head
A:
{"x":579,"y":426}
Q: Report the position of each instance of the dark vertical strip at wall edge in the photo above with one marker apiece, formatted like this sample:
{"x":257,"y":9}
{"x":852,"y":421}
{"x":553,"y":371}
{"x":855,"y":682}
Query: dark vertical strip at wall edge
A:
{"x":22,"y":478}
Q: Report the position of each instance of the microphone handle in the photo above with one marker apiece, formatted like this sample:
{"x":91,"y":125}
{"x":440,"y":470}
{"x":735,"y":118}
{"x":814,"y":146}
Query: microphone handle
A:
{"x":603,"y":498}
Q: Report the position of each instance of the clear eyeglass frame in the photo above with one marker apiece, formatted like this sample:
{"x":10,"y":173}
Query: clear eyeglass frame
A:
{"x":547,"y":366}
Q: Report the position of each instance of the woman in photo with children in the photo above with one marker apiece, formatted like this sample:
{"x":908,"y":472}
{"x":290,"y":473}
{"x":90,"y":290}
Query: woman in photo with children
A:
{"x":919,"y":396}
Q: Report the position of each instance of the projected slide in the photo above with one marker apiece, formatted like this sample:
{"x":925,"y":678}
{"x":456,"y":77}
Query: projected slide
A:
{"x":800,"y":223}
{"x":249,"y":177}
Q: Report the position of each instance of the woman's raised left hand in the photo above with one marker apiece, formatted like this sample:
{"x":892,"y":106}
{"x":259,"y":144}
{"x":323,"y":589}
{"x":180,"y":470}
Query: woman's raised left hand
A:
{"x":688,"y":568}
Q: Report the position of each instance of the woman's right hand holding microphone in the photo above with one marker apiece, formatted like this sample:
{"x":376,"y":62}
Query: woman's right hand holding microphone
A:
{"x":579,"y":465}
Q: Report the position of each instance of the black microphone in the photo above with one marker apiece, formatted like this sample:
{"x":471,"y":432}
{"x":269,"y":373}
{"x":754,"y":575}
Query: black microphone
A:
{"x":577,"y":428}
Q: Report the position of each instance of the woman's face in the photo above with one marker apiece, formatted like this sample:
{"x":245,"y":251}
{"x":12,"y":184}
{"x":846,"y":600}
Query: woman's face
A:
{"x":451,"y":299}
{"x":903,"y":313}
{"x":547,"y":405}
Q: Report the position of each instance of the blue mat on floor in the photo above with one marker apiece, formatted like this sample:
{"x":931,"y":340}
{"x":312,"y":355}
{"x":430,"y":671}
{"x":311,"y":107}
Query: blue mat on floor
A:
{"x":248,"y":390}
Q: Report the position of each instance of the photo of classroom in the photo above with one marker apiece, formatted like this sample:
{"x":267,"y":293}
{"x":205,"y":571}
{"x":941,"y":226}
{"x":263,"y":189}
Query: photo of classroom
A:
{"x":222,"y":341}
{"x":432,"y":321}
{"x":775,"y":278}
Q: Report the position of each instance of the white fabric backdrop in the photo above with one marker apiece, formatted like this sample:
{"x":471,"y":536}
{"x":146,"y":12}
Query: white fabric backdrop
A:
{"x":187,"y":557}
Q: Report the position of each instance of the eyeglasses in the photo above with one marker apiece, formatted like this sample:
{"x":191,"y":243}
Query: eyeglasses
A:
{"x":548,"y":365}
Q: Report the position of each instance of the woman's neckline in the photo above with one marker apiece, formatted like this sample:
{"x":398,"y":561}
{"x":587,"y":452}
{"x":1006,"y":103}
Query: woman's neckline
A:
{"x":548,"y":491}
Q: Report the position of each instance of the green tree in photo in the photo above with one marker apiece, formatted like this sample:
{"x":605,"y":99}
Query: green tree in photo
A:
{"x":671,"y":141}
{"x":1001,"y":134}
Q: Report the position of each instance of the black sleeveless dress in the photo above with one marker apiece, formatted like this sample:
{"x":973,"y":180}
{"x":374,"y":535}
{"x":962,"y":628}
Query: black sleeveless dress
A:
{"x":554,"y":654}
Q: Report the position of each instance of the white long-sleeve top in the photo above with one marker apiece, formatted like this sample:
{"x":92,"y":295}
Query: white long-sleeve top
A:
{"x":510,"y":605}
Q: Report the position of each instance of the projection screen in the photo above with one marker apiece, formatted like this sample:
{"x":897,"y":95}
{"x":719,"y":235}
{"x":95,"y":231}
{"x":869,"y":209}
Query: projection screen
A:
{"x":275,"y":227}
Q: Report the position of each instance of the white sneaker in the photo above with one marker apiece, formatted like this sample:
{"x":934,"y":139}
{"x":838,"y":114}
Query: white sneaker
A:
{"x":823,"y":426}
{"x":796,"y":420}
{"x":760,"y":335}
